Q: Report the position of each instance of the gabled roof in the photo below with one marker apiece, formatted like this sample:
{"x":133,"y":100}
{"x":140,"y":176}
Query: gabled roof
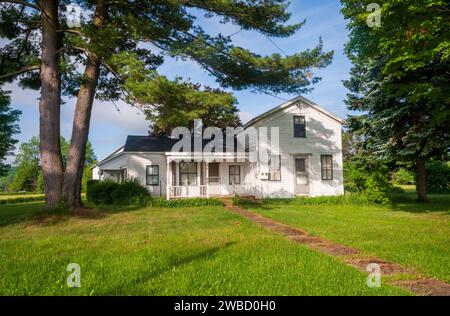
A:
{"x":115,"y":153}
{"x":290,"y":103}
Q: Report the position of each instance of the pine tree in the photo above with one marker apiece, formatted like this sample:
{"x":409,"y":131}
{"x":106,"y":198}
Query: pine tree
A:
{"x":120,"y":44}
{"x":8,"y":127}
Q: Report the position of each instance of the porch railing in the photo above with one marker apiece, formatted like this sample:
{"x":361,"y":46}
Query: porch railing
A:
{"x":188,"y":191}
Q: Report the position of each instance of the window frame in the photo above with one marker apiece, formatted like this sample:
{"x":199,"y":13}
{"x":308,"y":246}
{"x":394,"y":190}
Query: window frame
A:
{"x":324,"y":169}
{"x":234,"y":174}
{"x":303,"y":130}
{"x":188,"y":173}
{"x":147,"y":175}
{"x":270,"y":170}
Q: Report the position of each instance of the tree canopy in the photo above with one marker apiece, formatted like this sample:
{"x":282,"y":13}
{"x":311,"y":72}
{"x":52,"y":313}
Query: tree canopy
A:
{"x":400,"y":81}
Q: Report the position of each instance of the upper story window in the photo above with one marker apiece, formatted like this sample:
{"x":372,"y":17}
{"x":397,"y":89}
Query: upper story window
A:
{"x":299,"y":126}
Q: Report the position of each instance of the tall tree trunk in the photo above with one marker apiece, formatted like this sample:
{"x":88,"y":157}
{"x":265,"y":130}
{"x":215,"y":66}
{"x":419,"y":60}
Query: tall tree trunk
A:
{"x":49,"y":105}
{"x":421,"y":184}
{"x":81,"y":121}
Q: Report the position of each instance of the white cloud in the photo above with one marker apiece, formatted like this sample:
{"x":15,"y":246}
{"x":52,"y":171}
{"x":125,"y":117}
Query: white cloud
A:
{"x":245,"y":116}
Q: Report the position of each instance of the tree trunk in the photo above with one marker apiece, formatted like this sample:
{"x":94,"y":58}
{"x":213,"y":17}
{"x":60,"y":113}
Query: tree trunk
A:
{"x":49,"y":105}
{"x":421,"y":184}
{"x":81,"y":121}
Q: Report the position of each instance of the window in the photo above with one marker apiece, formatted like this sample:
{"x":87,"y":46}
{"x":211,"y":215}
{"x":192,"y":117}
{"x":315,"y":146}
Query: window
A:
{"x":214,"y":172}
{"x":327,"y":167}
{"x":275,"y":168}
{"x":299,"y":126}
{"x":235,"y":174}
{"x":300,"y":164}
{"x":123,"y":174}
{"x":188,"y":173}
{"x":152,"y":175}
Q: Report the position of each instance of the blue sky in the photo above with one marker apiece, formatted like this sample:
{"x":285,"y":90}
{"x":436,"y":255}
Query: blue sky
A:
{"x":109,"y":127}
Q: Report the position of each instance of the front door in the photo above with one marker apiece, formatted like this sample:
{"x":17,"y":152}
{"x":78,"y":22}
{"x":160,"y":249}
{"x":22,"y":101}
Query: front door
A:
{"x":301,"y":176}
{"x":214,"y":178}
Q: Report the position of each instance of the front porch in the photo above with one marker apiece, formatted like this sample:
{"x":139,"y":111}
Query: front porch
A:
{"x":188,"y":179}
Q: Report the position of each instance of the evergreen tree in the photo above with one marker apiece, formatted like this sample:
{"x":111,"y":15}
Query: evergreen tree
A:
{"x":400,"y":82}
{"x":8,"y":127}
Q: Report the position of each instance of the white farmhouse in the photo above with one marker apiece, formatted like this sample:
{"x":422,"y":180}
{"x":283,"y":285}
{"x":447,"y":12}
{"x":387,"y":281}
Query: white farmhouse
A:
{"x":308,"y":161}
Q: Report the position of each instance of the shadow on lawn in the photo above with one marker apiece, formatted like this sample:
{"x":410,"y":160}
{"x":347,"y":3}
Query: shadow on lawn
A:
{"x":35,"y":213}
{"x":406,"y":202}
{"x":174,"y":262}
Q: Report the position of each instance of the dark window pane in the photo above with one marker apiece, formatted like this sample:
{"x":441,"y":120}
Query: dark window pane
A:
{"x":300,"y":165}
{"x":152,"y":176}
{"x":235,"y":174}
{"x":327,"y":167}
{"x":188,"y":173}
{"x":299,"y":126}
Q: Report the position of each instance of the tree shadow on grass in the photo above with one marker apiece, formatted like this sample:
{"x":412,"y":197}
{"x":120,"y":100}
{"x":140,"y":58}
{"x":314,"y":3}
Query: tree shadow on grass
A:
{"x":173,"y":262}
{"x":407,"y":203}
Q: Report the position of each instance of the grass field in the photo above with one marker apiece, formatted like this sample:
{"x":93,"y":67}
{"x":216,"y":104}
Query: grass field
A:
{"x":190,"y":251}
{"x":411,"y":234}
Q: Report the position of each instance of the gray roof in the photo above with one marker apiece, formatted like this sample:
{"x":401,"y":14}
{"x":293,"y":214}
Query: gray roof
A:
{"x":149,"y":143}
{"x":157,"y":144}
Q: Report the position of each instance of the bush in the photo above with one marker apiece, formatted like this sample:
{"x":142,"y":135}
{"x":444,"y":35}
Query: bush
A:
{"x":160,"y":202}
{"x":403,"y":176}
{"x":438,"y":176}
{"x":113,"y":193}
{"x":22,"y":199}
{"x":245,"y":201}
{"x":352,"y":198}
{"x":373,"y":184}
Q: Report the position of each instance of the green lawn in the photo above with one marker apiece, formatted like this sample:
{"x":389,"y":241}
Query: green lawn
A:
{"x":156,"y":251}
{"x":414,"y":235}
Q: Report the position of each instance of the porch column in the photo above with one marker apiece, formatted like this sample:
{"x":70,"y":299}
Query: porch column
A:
{"x":199,"y":180}
{"x":167,"y":178}
{"x":207,"y":178}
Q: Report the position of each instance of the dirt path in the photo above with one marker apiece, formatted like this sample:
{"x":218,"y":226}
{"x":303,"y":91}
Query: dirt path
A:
{"x":417,"y":284}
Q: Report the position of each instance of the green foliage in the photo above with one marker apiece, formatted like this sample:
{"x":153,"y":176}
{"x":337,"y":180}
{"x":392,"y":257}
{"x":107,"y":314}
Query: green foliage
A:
{"x":403,"y":176}
{"x":245,"y":201}
{"x":178,"y":103}
{"x":194,"y":202}
{"x":399,"y":80}
{"x":28,"y":172}
{"x":172,"y":28}
{"x":438,"y":176}
{"x":21,"y":200}
{"x":372,"y":182}
{"x":349,"y":198}
{"x":8,"y":128}
{"x":113,"y":193}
